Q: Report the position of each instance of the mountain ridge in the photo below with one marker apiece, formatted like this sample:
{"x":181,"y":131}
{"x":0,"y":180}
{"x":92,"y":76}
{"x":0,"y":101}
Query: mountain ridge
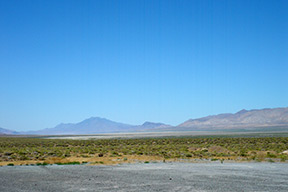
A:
{"x":7,"y":131}
{"x":242,"y":119}
{"x":255,"y":119}
{"x":95,"y":125}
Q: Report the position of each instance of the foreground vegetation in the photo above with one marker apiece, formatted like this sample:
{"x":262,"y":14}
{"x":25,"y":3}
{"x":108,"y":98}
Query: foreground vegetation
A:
{"x":111,"y":151}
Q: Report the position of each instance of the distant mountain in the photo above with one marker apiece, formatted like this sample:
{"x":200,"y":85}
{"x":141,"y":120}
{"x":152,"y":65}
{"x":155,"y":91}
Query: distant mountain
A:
{"x":150,"y":125}
{"x":276,"y":118}
{"x":6,"y":131}
{"x":95,"y":125}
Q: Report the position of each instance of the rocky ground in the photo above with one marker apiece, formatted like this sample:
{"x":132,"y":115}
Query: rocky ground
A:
{"x":147,"y":177}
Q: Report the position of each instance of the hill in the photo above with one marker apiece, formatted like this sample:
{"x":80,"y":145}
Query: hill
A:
{"x":6,"y":131}
{"x":276,"y":118}
{"x":95,"y":125}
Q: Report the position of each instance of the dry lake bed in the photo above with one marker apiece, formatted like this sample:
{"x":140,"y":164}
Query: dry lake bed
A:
{"x":147,"y":177}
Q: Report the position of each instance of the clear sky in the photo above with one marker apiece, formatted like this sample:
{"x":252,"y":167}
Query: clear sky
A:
{"x":139,"y":60}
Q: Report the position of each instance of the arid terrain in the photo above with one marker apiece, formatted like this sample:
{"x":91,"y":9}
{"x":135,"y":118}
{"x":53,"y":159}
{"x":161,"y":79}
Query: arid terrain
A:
{"x":119,"y":148}
{"x":147,"y":177}
{"x":143,"y":162}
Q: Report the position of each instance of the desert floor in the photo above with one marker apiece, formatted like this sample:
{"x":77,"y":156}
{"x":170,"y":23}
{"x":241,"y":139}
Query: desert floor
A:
{"x":171,"y":176}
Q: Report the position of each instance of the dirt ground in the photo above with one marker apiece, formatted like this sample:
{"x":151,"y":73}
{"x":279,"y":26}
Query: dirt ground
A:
{"x":147,"y":177}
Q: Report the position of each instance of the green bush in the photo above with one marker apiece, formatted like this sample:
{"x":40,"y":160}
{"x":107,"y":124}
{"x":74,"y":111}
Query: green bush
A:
{"x":69,"y":163}
{"x":146,"y":162}
{"x":271,"y":155}
{"x":17,"y":149}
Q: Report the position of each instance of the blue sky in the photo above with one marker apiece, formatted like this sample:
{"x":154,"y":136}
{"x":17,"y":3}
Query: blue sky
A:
{"x":135,"y":61}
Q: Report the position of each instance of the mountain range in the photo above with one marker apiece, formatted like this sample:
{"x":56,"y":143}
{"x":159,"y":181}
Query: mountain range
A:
{"x":6,"y":131}
{"x":96,"y":125}
{"x":256,"y":119}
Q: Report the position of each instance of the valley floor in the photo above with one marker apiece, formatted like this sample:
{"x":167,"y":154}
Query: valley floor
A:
{"x":40,"y":151}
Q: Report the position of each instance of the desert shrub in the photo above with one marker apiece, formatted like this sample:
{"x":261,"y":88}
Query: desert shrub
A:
{"x":271,"y":155}
{"x":42,"y":164}
{"x":271,"y":161}
{"x":283,"y":158}
{"x":146,"y":162}
{"x":176,"y":147}
{"x":69,"y":163}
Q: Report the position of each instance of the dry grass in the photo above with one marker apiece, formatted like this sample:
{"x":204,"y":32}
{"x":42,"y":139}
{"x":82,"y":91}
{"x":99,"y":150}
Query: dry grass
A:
{"x":22,"y":151}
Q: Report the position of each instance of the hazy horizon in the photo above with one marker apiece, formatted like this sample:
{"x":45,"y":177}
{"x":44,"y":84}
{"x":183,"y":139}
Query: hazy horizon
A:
{"x":147,"y":121}
{"x":135,"y":61}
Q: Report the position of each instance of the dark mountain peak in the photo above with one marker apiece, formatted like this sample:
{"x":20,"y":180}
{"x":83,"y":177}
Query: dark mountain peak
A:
{"x":92,"y":117}
{"x":148,"y":123}
{"x":151,"y":125}
{"x":242,"y":111}
{"x":96,"y":119}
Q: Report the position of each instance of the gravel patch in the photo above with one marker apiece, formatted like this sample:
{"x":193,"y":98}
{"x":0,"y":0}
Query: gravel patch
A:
{"x":147,"y":177}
